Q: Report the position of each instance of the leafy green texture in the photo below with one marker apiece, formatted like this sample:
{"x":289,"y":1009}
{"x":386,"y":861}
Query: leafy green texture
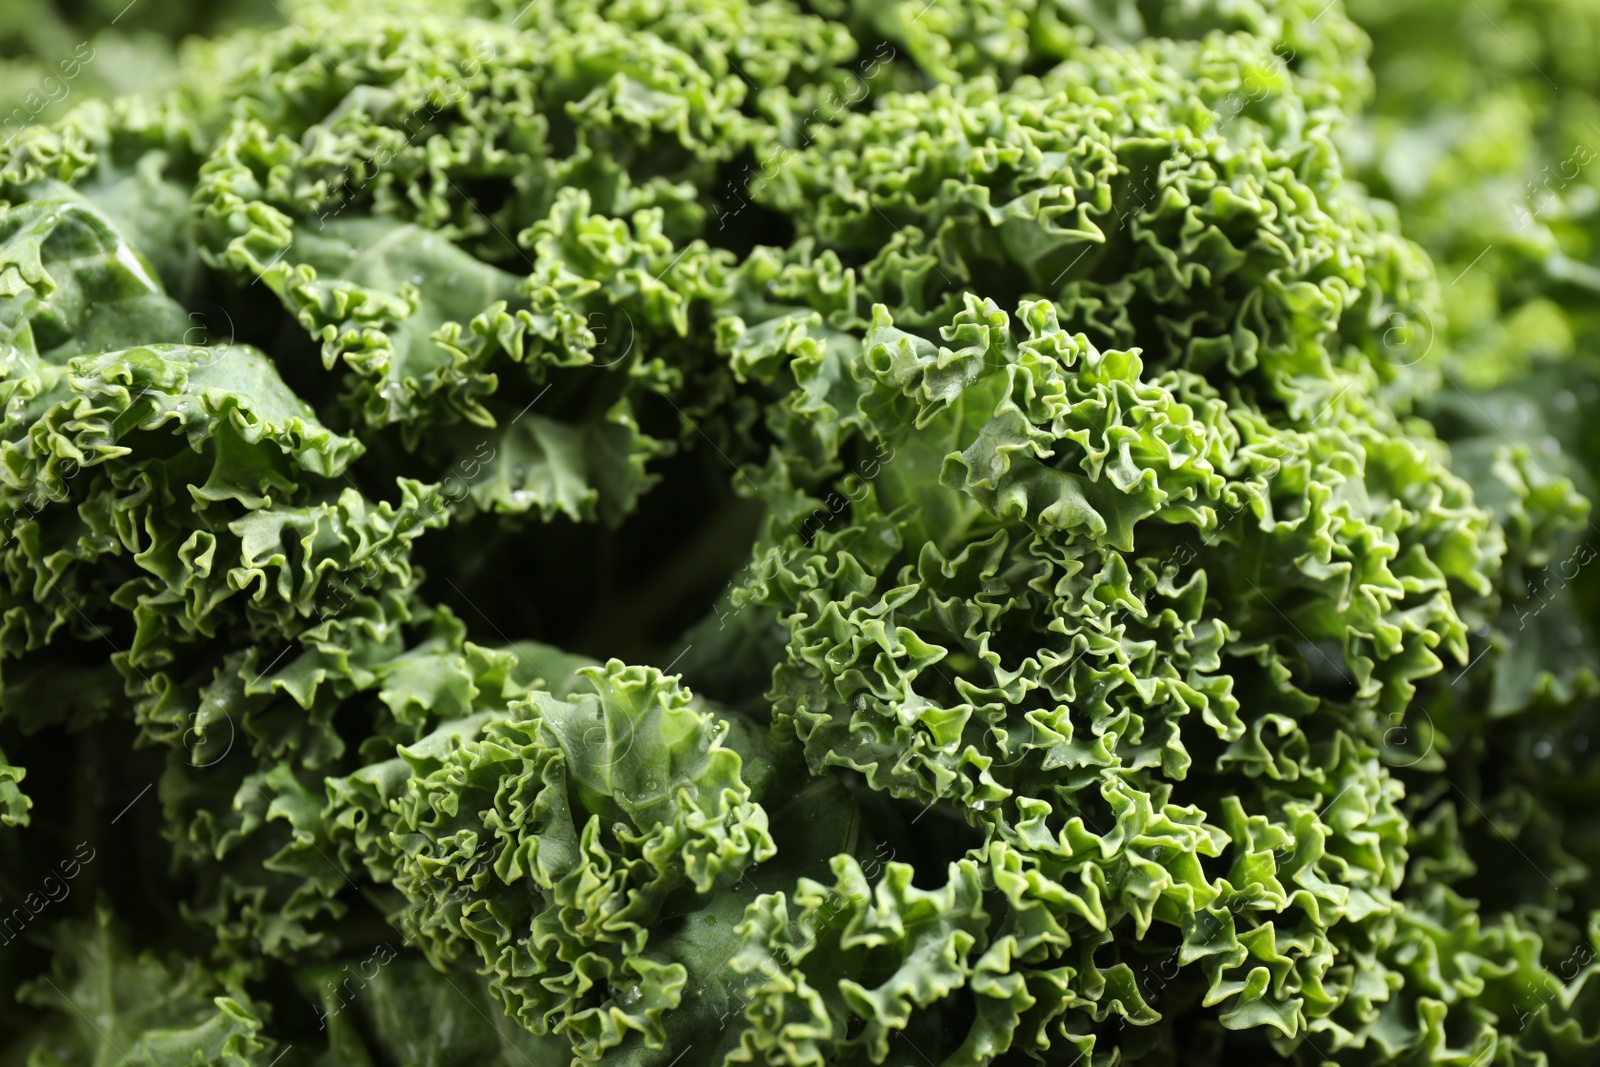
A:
{"x":723,"y":532}
{"x":106,"y":1005}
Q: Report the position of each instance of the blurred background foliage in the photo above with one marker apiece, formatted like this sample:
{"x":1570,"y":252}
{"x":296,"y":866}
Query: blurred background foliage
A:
{"x":1485,"y":132}
{"x":57,"y":53}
